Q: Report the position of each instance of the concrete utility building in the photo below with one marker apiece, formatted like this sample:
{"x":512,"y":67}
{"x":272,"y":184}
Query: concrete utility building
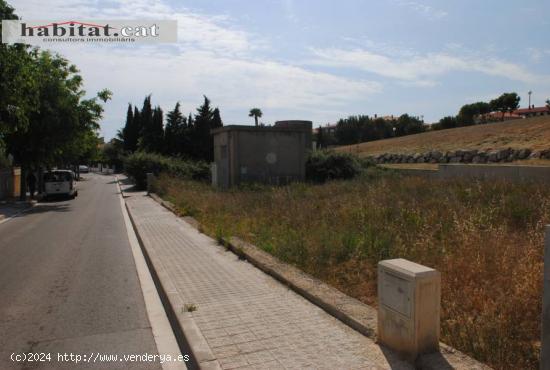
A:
{"x":267,"y":154}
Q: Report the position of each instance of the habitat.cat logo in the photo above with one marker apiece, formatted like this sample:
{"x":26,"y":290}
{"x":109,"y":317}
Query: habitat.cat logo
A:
{"x":39,"y":32}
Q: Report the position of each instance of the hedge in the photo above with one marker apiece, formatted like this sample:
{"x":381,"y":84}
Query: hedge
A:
{"x":138,"y":164}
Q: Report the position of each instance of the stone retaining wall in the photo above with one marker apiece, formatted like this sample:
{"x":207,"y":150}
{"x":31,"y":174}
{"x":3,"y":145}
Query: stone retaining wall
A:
{"x":500,"y":172}
{"x":463,"y":156}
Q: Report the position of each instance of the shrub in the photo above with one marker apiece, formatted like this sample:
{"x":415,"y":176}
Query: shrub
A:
{"x":138,"y":164}
{"x":322,"y":166}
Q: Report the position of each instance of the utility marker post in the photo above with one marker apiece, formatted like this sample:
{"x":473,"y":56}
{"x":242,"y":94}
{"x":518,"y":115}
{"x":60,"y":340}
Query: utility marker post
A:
{"x":409,"y":298}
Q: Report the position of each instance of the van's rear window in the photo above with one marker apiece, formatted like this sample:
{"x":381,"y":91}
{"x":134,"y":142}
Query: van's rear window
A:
{"x":57,"y":176}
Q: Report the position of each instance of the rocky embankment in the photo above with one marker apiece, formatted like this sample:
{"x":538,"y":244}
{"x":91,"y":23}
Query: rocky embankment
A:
{"x":463,"y":156}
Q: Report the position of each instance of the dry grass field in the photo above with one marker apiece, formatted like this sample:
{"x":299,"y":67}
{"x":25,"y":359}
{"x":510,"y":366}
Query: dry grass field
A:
{"x":532,"y":133}
{"x":486,"y":238}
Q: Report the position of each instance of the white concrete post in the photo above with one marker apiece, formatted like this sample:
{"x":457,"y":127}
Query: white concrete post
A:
{"x":409,"y":298}
{"x":545,"y":347}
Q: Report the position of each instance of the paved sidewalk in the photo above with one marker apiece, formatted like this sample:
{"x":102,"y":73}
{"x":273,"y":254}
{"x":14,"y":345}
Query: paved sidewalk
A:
{"x":249,"y":320}
{"x":10,"y":209}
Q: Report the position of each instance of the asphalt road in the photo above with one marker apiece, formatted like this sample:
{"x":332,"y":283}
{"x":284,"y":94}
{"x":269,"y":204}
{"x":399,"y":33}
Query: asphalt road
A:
{"x":68,"y":283}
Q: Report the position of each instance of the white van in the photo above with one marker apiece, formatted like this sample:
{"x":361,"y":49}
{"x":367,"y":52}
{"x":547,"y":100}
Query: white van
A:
{"x":59,"y":182}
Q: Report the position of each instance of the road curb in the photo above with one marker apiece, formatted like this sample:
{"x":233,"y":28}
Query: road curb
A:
{"x":352,"y":312}
{"x":185,"y":330}
{"x":160,"y":325}
{"x":30,"y":205}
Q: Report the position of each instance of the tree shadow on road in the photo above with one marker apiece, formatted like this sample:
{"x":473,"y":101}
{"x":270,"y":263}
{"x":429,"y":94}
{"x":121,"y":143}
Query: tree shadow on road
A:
{"x":51,"y":206}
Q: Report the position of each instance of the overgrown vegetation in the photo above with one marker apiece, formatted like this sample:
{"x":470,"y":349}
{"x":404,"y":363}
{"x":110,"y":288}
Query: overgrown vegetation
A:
{"x":322,"y":166}
{"x":485,"y":237}
{"x":138,"y":164}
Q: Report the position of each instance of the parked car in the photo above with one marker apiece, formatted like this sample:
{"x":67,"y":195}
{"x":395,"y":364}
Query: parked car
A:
{"x":60,"y":183}
{"x":83,"y":169}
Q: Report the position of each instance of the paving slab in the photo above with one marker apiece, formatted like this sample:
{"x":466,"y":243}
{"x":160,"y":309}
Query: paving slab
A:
{"x":244,"y":318}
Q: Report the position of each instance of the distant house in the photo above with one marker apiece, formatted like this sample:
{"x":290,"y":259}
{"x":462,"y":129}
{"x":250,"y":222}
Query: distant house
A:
{"x":533,"y":111}
{"x":390,"y":118}
{"x":327,"y":129}
{"x":496,"y":117}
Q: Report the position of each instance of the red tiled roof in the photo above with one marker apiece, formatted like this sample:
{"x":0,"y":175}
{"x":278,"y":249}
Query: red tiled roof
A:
{"x":531,"y":110}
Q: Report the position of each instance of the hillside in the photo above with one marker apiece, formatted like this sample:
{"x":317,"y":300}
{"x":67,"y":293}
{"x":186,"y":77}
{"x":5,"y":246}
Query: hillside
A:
{"x":532,"y":133}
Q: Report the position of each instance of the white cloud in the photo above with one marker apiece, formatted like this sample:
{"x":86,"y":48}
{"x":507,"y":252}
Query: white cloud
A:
{"x":212,"y":57}
{"x":233,"y":84}
{"x":237,"y":83}
{"x":422,"y":70}
{"x":423,"y":9}
{"x":195,"y":30}
{"x":537,"y":55}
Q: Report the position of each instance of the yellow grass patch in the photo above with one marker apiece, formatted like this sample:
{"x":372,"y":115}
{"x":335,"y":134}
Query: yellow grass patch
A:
{"x":532,"y":133}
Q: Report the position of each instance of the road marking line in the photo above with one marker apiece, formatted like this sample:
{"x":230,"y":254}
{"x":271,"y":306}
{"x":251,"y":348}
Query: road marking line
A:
{"x":160,"y":326}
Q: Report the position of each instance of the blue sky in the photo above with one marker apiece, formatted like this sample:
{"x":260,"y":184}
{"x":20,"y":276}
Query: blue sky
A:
{"x":319,"y":60}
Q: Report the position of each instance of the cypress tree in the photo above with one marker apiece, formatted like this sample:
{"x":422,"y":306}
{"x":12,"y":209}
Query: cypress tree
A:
{"x":157,"y":131}
{"x":130,"y":131}
{"x":147,"y":141}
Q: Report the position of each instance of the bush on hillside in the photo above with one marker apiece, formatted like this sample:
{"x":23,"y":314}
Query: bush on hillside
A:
{"x":323,"y":165}
{"x":138,"y":164}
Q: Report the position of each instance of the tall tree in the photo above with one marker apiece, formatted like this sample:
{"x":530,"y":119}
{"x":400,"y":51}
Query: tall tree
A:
{"x":62,"y":128}
{"x":202,"y":144}
{"x":468,"y":112}
{"x":157,"y":130}
{"x":447,"y":122}
{"x":408,"y":125}
{"x":174,"y":131}
{"x":201,"y":139}
{"x":256,"y":113}
{"x":19,"y":95}
{"x":130,"y":132}
{"x":216,"y":119}
{"x":147,"y":137}
{"x":507,"y":102}
{"x":138,"y":127}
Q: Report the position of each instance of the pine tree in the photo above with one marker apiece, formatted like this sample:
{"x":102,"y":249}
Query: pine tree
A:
{"x":202,"y":140}
{"x":216,"y":119}
{"x":173,"y":131}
